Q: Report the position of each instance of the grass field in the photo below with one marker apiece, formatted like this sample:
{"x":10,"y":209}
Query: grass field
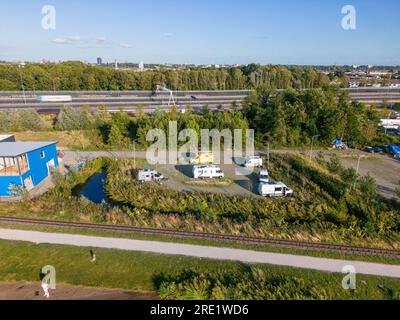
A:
{"x":21,"y":261}
{"x":75,"y":140}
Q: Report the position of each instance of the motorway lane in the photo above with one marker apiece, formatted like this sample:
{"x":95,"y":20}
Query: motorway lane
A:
{"x":131,"y":99}
{"x":207,"y":252}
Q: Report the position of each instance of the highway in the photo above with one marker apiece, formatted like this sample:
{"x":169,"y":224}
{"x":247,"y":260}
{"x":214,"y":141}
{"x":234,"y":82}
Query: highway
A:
{"x":131,"y":100}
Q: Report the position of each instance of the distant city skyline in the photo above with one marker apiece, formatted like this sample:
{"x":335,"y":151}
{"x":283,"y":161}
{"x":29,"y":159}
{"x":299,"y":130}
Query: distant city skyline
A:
{"x":290,"y":32}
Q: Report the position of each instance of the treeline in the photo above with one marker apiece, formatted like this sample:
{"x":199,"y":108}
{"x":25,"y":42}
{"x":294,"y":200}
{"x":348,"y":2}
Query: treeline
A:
{"x":78,"y":76}
{"x":120,"y":129}
{"x":294,"y":117}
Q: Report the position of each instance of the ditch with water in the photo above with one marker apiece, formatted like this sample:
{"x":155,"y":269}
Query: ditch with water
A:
{"x":93,"y":189}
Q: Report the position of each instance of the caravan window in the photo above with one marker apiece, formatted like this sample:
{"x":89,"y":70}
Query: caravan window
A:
{"x":279,"y":189}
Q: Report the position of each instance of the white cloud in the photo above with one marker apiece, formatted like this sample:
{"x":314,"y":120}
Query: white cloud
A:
{"x":67,"y":40}
{"x":60,"y":40}
{"x":125,"y":45}
{"x":74,"y":38}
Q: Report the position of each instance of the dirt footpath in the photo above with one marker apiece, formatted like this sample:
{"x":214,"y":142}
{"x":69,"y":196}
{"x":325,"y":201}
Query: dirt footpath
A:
{"x":33,"y":291}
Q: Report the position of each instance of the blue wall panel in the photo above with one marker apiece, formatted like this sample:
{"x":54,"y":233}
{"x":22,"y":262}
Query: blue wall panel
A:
{"x":6,"y":182}
{"x":38,"y":166}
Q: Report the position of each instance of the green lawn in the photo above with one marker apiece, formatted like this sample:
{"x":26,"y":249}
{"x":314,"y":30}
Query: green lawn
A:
{"x":20,"y":261}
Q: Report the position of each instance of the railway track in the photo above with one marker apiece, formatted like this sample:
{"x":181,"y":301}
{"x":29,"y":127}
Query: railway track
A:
{"x":311,"y":246}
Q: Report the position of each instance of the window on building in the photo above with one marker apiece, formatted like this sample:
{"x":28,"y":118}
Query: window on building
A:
{"x":42,"y":155}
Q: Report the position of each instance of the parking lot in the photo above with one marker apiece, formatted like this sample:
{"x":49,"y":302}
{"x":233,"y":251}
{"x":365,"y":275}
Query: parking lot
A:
{"x":383,"y":168}
{"x":180,"y":178}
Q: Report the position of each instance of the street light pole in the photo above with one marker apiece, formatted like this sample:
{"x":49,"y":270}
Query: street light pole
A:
{"x":134,"y":152}
{"x":22,"y":81}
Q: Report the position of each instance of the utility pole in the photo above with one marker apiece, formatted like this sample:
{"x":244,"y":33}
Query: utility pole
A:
{"x":20,"y":66}
{"x":134,"y":152}
{"x":312,"y":145}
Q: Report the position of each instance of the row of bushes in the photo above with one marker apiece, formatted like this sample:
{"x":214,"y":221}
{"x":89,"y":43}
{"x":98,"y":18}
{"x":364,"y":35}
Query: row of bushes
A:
{"x":248,"y":284}
{"x":256,"y":283}
{"x":322,"y":202}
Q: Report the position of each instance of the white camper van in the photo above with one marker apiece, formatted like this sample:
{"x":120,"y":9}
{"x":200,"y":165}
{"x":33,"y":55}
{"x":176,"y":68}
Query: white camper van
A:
{"x":207,"y":172}
{"x":263,"y":176}
{"x":274,"y":189}
{"x":144,"y":175}
{"x":252,"y":162}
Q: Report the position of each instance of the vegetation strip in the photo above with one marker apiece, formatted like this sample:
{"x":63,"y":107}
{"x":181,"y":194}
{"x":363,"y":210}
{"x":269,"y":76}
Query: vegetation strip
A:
{"x":209,"y":236}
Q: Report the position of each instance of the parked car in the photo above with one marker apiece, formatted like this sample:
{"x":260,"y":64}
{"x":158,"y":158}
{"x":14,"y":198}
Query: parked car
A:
{"x":263,"y":176}
{"x":158,"y":177}
{"x":373,"y":150}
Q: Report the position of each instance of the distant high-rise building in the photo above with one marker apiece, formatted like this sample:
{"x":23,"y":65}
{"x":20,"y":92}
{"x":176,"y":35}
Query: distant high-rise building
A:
{"x":116,"y":64}
{"x":141,"y":66}
{"x":99,"y":60}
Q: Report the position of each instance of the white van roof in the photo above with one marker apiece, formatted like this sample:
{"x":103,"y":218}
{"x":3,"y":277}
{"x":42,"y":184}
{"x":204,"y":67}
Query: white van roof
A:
{"x":206,"y":167}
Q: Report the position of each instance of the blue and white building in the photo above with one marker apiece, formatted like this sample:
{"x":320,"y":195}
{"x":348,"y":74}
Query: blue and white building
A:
{"x":25,"y":164}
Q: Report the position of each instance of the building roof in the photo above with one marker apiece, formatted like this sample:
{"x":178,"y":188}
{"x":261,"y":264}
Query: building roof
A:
{"x":14,"y":149}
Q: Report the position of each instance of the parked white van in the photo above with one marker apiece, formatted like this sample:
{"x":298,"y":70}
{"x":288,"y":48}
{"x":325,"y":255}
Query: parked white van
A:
{"x":274,"y":189}
{"x":252,"y":162}
{"x":207,"y":172}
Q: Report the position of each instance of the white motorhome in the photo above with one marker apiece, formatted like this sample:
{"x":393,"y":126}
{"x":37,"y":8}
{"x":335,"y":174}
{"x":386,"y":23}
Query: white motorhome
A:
{"x":252,"y":162}
{"x":263,"y":176}
{"x":274,"y":189}
{"x":207,"y":172}
{"x":145,"y":175}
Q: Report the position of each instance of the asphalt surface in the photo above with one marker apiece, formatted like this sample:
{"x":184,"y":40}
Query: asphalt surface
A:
{"x":245,"y":256}
{"x":114,"y":100}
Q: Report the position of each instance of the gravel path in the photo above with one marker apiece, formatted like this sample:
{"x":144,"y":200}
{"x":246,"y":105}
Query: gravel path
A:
{"x":246,"y":256}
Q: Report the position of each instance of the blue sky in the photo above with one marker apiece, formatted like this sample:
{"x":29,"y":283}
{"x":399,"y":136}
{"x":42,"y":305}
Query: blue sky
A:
{"x":203,"y":31}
